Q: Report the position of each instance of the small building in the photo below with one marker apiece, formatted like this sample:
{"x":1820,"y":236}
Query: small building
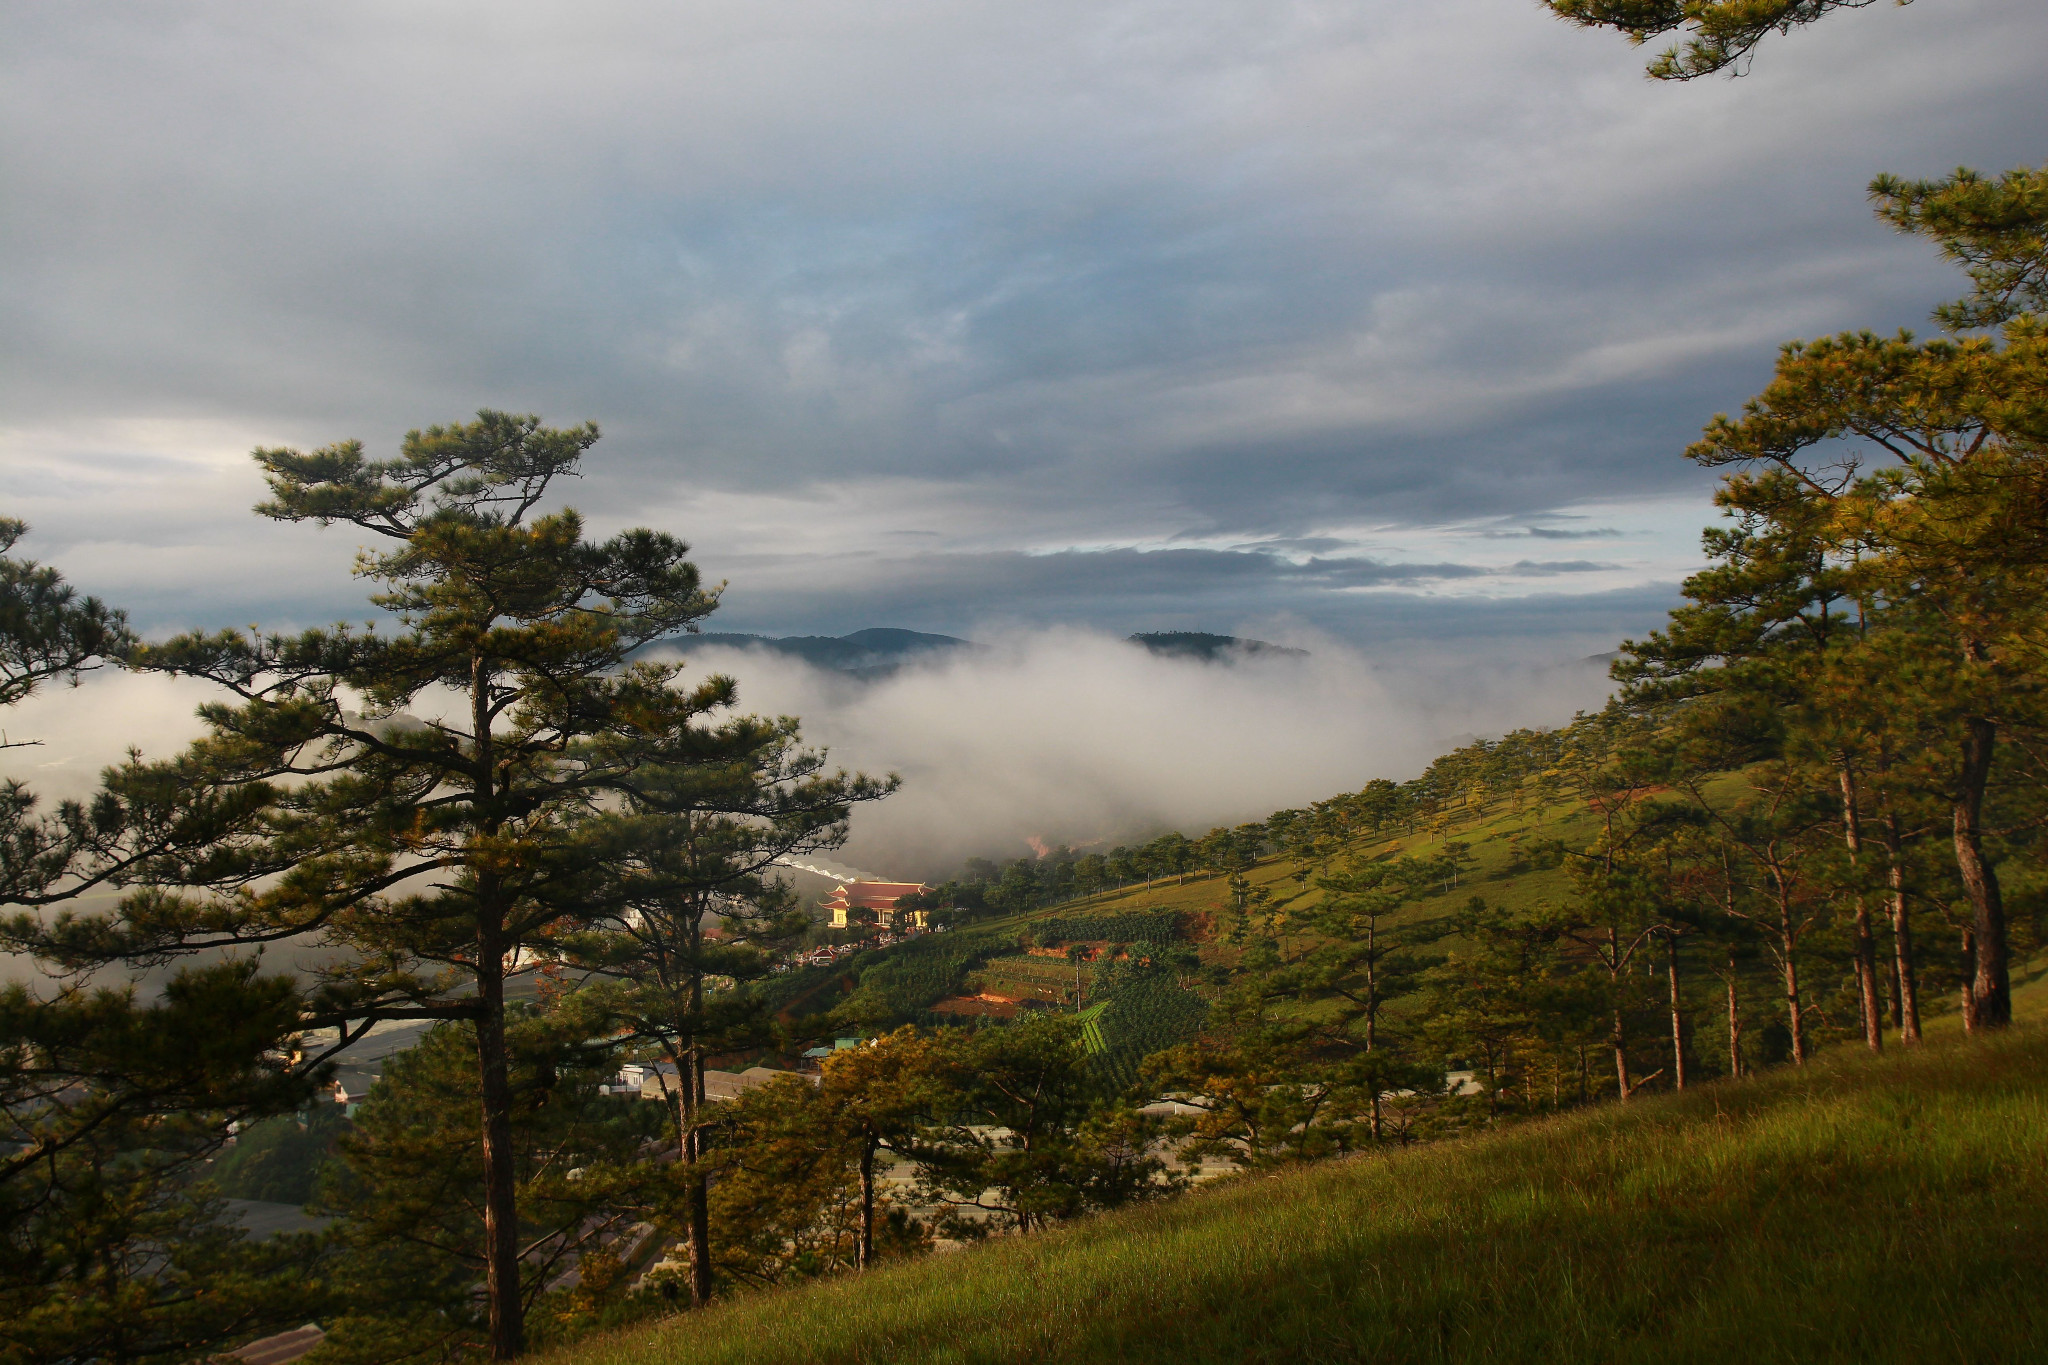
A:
{"x":814,"y":1057}
{"x":352,"y":1083}
{"x":878,"y":899}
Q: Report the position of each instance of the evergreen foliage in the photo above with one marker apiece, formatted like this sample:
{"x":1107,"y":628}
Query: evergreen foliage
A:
{"x":414,"y":1243}
{"x":904,"y":982}
{"x":1104,"y":927}
{"x":1720,"y":34}
{"x":1143,"y":1012}
{"x":112,"y":1099}
{"x":278,"y":1160}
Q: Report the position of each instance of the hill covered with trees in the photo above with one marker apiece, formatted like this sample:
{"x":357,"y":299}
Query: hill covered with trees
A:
{"x":1881,"y":1209}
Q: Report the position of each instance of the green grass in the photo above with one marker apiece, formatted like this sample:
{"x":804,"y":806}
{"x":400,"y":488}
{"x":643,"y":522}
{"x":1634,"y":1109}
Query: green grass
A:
{"x":915,"y":983}
{"x":1860,"y":1209}
{"x":1493,"y":873}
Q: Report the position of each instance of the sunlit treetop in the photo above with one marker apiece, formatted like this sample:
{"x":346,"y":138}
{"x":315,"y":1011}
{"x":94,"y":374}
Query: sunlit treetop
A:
{"x":1996,"y":229}
{"x":1719,"y":35}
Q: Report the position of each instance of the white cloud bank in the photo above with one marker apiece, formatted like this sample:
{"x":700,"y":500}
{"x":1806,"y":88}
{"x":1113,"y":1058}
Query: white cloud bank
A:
{"x":1070,"y":737}
{"x":1063,"y":736}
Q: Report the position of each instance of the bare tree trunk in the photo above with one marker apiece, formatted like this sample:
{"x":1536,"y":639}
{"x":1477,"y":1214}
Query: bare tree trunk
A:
{"x":1865,"y":944}
{"x":864,"y":1252}
{"x":501,"y":1208}
{"x":1868,"y":997}
{"x":1902,"y":933}
{"x":494,"y":1082}
{"x":1969,"y":996}
{"x":1621,"y":1055}
{"x":1990,"y":987}
{"x":1788,"y":944}
{"x":1677,"y":1014}
{"x":699,"y":1186}
{"x":1794,"y":1014}
{"x":1734,"y":1021}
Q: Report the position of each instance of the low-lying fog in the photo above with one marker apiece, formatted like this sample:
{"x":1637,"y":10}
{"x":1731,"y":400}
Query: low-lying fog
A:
{"x":1032,"y":739}
{"x":1043,"y":737}
{"x":1073,"y":737}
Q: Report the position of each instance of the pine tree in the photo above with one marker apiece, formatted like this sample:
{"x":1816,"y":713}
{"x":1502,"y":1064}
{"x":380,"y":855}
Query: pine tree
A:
{"x":693,"y":849}
{"x":47,"y":631}
{"x":112,"y":1099}
{"x":438,"y":856}
{"x":412,"y":1247}
{"x":1904,"y":478}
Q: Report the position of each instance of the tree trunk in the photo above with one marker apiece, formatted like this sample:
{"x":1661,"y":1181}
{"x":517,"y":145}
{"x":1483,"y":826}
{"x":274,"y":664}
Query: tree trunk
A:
{"x":1864,"y":945}
{"x":501,"y":1209}
{"x":1868,"y":995}
{"x":1615,"y":965}
{"x":1969,"y":996}
{"x":1734,"y":1021}
{"x":697,"y":1184}
{"x":864,"y":1252}
{"x":1794,"y":1014}
{"x":494,"y":1082}
{"x":1621,"y":1055}
{"x":1990,"y":986}
{"x":1902,"y":933}
{"x":1677,"y":1014}
{"x":1788,"y":959}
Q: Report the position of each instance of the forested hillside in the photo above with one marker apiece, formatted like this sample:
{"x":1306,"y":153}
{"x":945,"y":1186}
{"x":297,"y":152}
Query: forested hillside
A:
{"x":1863,"y":1210}
{"x":1559,"y":906}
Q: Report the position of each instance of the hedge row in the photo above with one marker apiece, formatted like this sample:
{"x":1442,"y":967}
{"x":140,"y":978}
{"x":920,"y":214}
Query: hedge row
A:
{"x":1134,"y":926}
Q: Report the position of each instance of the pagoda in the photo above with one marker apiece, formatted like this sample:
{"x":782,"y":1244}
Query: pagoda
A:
{"x":879,"y":898}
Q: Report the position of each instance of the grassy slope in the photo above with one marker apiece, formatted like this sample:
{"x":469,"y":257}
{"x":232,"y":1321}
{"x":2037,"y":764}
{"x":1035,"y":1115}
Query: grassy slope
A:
{"x":1890,"y":1209}
{"x":1490,"y":875}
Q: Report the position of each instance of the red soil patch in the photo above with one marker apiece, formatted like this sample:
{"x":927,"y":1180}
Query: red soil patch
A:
{"x":983,"y":1005}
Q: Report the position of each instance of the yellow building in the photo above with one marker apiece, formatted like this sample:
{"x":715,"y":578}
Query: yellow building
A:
{"x":850,"y":899}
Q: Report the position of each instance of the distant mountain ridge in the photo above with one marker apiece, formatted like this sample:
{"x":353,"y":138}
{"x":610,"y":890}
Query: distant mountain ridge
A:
{"x":1196,"y":644}
{"x":865,"y":653}
{"x":880,"y":651}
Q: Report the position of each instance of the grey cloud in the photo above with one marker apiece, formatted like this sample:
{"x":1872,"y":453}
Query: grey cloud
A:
{"x":1109,"y":272}
{"x":1531,"y":566}
{"x":1121,"y":591}
{"x":1135,"y":576}
{"x":1293,"y":544}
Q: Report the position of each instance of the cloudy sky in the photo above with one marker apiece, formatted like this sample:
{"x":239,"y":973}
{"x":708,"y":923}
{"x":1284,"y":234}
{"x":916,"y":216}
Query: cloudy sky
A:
{"x":1383,"y":320}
